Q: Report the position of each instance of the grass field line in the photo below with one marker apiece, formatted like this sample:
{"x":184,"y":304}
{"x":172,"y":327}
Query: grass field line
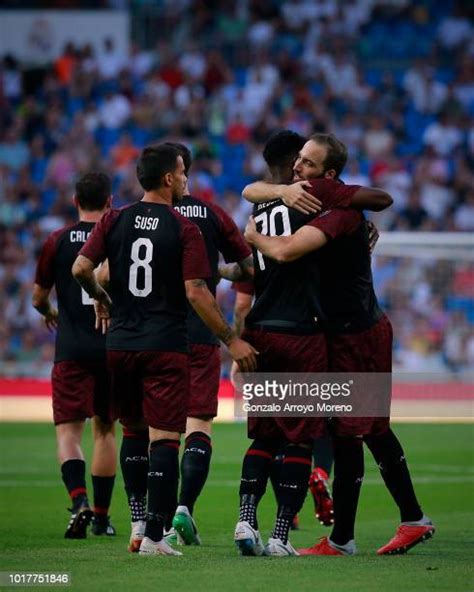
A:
{"x":427,"y":479}
{"x":456,"y":469}
{"x":443,"y":468}
{"x":435,"y":468}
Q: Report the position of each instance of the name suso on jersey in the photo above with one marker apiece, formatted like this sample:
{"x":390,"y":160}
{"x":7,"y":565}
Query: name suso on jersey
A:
{"x":152,"y":250}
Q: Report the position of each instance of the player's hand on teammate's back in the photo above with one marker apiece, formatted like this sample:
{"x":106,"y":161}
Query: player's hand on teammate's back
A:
{"x":234,"y":370}
{"x":102,"y":313}
{"x":250,"y":230}
{"x":373,"y":235}
{"x":244,"y":354}
{"x":51,"y":319}
{"x":295,"y":196}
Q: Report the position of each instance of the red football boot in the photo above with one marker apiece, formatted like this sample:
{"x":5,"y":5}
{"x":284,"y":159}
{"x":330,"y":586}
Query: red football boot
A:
{"x":406,"y":537}
{"x":327,"y":547}
{"x":319,"y":487}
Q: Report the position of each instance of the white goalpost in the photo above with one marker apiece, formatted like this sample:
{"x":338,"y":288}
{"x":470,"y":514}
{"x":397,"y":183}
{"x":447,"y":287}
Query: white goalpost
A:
{"x":425,"y":282}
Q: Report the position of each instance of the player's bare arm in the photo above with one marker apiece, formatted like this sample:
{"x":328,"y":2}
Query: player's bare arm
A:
{"x":371,"y":198}
{"x":83,"y":273}
{"x":205,"y":305}
{"x":236,"y":272}
{"x":294,"y":195}
{"x":242,"y":306}
{"x":102,"y":274}
{"x":285,"y":249}
{"x":230,"y":271}
{"x":41,"y":302}
{"x":102,"y":311}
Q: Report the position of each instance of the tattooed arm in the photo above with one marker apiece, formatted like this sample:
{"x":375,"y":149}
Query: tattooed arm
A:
{"x":236,"y":272}
{"x":83,"y":272}
{"x":242,"y":306}
{"x":205,"y":305}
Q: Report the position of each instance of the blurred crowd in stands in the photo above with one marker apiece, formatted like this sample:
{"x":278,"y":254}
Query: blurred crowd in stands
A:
{"x":393,"y":80}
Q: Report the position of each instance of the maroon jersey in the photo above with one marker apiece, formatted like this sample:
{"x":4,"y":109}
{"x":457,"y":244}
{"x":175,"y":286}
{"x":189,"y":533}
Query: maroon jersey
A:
{"x":287,"y":296}
{"x":347,"y":292}
{"x":244,"y":287}
{"x":76,"y":337}
{"x":332,"y":193}
{"x":151,"y":250}
{"x":221,"y":235}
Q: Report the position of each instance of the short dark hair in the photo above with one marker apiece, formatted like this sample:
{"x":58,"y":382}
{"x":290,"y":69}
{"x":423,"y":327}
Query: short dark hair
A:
{"x":93,"y":190}
{"x":281,"y":146}
{"x":154,"y":163}
{"x":336,"y":157}
{"x":185,"y":153}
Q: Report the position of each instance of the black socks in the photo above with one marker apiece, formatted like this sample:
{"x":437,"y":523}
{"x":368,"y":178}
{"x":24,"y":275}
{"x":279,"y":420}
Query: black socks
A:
{"x":74,"y":476}
{"x":348,"y":476}
{"x":194,"y":468}
{"x":134,"y":464}
{"x":322,"y":453}
{"x":103,"y":487}
{"x":388,"y":454}
{"x":292,"y":487}
{"x":256,"y":469}
{"x":163,"y":475}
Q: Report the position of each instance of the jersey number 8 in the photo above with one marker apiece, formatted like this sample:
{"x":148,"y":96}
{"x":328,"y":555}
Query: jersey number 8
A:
{"x":142,"y":262}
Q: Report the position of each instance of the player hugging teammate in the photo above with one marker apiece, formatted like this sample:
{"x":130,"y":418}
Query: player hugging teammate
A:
{"x":155,"y":297}
{"x":357,"y":337}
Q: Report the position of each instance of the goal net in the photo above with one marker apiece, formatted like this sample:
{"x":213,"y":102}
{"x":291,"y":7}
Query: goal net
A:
{"x":425,"y":282}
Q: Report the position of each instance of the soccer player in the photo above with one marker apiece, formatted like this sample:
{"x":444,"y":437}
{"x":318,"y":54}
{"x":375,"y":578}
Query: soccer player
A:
{"x":157,"y":262}
{"x":221,"y":235}
{"x":285,"y":325}
{"x":280,"y":153}
{"x":322,"y":445}
{"x":360,"y":340}
{"x":79,"y":377}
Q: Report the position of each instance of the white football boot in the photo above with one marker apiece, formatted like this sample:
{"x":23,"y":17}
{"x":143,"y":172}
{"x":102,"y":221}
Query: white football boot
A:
{"x":149,"y":547}
{"x":248,"y":540}
{"x":277,"y":548}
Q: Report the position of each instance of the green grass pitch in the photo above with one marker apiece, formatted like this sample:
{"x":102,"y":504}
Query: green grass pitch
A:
{"x":33,"y":519}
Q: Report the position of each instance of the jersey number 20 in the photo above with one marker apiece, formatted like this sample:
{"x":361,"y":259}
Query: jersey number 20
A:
{"x":268,"y":227}
{"x":141,"y":256}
